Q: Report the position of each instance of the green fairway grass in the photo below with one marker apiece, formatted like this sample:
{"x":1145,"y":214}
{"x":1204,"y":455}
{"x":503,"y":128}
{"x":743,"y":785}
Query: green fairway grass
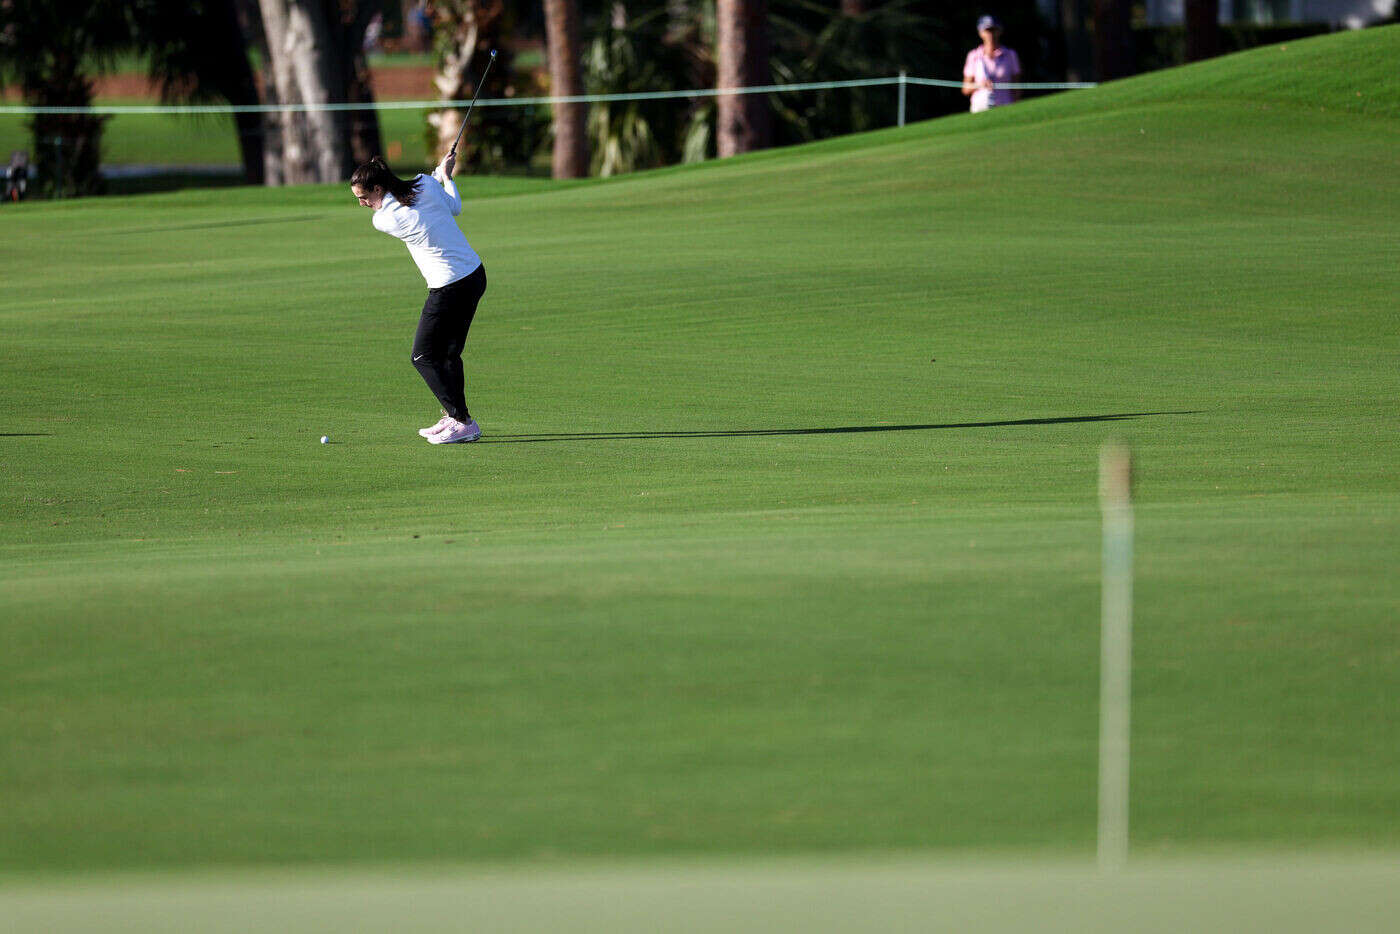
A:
{"x":782,"y":535}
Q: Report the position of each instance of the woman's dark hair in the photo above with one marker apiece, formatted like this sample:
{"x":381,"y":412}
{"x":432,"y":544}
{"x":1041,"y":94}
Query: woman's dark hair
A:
{"x":375,"y":174}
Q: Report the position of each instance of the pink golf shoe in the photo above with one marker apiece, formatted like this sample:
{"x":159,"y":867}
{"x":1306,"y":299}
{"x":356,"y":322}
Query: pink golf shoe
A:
{"x":455,"y":432}
{"x":434,"y":429}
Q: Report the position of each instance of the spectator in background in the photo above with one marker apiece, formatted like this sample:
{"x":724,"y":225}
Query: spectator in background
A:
{"x":989,"y":65}
{"x":420,"y":27}
{"x":374,"y":31}
{"x":17,"y":176}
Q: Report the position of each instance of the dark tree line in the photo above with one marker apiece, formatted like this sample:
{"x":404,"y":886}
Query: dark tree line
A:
{"x":47,"y":48}
{"x":312,"y":54}
{"x":197,"y":52}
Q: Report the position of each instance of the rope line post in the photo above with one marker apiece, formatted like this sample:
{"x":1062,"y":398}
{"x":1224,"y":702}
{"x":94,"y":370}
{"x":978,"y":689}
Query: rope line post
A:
{"x":1116,"y":654}
{"x":903,"y":83}
{"x":58,"y":166}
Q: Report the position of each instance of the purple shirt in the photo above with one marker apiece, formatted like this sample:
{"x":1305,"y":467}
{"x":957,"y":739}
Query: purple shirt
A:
{"x":1002,"y":67}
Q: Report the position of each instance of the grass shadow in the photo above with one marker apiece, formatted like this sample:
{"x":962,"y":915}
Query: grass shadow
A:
{"x":537,"y":438}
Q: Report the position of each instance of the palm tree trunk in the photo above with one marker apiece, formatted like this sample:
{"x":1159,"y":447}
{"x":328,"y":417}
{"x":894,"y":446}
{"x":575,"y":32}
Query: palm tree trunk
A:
{"x":744,"y":121}
{"x":566,"y":80}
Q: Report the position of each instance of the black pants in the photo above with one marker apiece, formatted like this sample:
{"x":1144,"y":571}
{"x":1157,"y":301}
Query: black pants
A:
{"x":442,"y":333}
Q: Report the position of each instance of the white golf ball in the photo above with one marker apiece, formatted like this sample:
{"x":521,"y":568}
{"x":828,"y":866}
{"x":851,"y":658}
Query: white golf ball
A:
{"x":325,"y":440}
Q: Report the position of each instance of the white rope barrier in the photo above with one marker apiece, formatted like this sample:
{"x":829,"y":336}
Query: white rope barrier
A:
{"x":1008,"y":85}
{"x":112,"y":110}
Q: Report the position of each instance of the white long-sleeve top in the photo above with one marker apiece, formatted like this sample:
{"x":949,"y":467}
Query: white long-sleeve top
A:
{"x":427,"y":228}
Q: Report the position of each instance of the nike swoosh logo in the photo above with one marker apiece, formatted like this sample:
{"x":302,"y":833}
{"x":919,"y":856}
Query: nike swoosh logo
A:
{"x":419,"y":357}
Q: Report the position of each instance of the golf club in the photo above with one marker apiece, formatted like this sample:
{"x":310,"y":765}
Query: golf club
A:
{"x":489,"y":62}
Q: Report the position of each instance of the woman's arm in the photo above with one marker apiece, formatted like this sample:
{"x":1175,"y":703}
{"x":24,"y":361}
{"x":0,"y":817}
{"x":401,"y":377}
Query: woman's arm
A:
{"x":972,"y":83}
{"x":443,"y":173}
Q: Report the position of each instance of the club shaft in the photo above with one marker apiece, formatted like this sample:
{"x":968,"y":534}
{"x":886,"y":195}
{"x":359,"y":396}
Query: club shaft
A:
{"x":467,"y":116}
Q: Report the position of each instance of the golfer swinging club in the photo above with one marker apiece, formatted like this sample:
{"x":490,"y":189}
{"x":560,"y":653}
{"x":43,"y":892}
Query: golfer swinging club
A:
{"x":419,"y":212}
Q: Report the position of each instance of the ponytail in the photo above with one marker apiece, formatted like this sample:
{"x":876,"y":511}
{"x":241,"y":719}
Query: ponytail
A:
{"x":376,"y":174}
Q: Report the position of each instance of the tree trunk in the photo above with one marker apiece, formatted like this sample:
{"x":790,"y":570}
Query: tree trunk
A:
{"x":1202,"y":29}
{"x":267,"y":129}
{"x":1112,"y":39}
{"x":566,"y":80}
{"x":300,"y":44}
{"x":252,"y":129}
{"x":452,"y":81}
{"x":348,"y":24}
{"x":242,"y":85}
{"x":744,"y":121}
{"x":365,"y":139}
{"x":288,"y":141}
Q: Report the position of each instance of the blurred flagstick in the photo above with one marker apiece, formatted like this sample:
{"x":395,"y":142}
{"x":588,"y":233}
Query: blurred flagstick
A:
{"x":1116,"y":654}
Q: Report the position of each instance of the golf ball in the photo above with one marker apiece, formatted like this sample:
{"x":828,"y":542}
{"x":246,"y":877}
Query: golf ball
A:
{"x":325,"y":440}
